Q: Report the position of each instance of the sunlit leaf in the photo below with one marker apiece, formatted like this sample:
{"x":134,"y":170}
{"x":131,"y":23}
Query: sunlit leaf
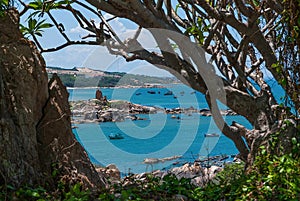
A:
{"x":176,"y":8}
{"x":255,"y":2}
{"x":46,"y":25}
{"x":34,"y":5}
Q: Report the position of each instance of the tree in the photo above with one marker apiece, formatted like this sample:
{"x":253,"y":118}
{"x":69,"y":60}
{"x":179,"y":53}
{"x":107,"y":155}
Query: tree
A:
{"x":245,"y":39}
{"x":32,"y":151}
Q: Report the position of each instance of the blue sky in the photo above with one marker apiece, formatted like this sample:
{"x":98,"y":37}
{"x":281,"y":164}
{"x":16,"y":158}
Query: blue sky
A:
{"x":96,"y":57}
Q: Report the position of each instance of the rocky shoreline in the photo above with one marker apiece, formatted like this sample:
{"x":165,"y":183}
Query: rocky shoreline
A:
{"x":199,"y":175}
{"x":200,"y":172}
{"x":94,"y":110}
{"x":102,"y":110}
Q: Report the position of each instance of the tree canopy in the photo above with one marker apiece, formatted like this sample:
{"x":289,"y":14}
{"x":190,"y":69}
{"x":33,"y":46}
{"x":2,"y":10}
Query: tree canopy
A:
{"x":246,"y":41}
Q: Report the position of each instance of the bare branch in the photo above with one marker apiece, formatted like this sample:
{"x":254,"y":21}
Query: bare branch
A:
{"x":247,"y":11}
{"x":150,"y":6}
{"x":25,"y":9}
{"x":58,"y":27}
{"x":234,"y":134}
{"x":169,"y":8}
{"x":159,"y":4}
{"x":137,"y":33}
{"x":68,"y":44}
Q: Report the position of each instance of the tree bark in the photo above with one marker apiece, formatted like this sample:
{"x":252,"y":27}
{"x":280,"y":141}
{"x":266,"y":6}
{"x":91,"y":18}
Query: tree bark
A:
{"x":35,"y":129}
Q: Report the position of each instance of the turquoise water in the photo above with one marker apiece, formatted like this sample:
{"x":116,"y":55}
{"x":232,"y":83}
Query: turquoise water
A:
{"x":159,"y":136}
{"x":185,"y":96}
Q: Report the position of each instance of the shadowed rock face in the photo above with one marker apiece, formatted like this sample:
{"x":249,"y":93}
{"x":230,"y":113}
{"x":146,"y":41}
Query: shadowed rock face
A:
{"x":23,"y":93}
{"x":35,"y":128}
{"x":57,"y":144}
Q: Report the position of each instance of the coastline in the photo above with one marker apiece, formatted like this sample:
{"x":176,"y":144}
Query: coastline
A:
{"x":95,"y":112}
{"x":124,"y":87}
{"x":200,"y":172}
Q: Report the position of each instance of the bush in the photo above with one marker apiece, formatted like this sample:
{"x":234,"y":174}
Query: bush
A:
{"x":153,"y":188}
{"x":272,"y":176}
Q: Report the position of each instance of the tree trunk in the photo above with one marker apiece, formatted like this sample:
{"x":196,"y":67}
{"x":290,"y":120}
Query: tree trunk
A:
{"x":35,"y":130}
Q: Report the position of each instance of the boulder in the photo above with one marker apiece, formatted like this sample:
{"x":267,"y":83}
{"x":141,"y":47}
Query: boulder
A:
{"x":110,"y":172}
{"x":99,"y":95}
{"x":23,"y":93}
{"x":118,"y":117}
{"x":57,"y":144}
{"x":91,"y":115}
{"x":35,"y":130}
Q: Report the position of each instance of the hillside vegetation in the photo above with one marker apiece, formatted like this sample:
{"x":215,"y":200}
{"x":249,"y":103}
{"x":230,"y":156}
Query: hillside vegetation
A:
{"x":85,"y":77}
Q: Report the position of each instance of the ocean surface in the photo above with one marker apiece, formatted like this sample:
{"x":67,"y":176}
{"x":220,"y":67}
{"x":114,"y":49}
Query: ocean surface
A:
{"x":159,"y":136}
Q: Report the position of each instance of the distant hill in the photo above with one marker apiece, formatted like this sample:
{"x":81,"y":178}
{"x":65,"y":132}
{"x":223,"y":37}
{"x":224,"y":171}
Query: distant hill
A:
{"x":87,"y":77}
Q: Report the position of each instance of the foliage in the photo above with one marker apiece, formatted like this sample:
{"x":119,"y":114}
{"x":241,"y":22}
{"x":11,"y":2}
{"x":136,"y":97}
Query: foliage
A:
{"x":225,"y":185}
{"x":154,"y":188}
{"x":42,"y":6}
{"x":199,"y":30}
{"x":272,"y":177}
{"x":35,"y":27}
{"x":111,"y":80}
{"x":288,"y":64}
{"x":64,"y":192}
{"x":3,"y":6}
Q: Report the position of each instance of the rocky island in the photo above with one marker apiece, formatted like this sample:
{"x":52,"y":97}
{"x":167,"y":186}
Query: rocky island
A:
{"x":100,"y":109}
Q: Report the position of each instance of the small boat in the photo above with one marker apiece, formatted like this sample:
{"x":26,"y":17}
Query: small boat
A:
{"x":175,"y":117}
{"x":138,"y":94}
{"x":151,"y":92}
{"x":168,"y":93}
{"x":211,"y":135}
{"x":116,"y":136}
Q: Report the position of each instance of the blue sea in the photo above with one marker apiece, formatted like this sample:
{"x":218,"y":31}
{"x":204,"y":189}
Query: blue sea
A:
{"x":159,"y":136}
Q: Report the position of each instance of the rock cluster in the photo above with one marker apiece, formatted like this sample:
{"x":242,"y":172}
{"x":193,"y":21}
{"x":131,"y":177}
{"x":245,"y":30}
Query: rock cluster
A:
{"x":203,"y":112}
{"x":181,"y":110}
{"x":199,"y":175}
{"x":111,"y":173}
{"x":95,"y":110}
{"x":207,"y":112}
{"x":102,"y":110}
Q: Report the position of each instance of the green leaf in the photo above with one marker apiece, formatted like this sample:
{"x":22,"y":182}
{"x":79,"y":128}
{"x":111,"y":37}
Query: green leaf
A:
{"x":34,"y":5}
{"x":31,"y":23}
{"x":4,"y":2}
{"x":35,"y":194}
{"x":46,"y":25}
{"x":283,"y":81}
{"x":33,"y":14}
{"x":176,"y":8}
{"x":256,"y":2}
{"x":38,"y":34}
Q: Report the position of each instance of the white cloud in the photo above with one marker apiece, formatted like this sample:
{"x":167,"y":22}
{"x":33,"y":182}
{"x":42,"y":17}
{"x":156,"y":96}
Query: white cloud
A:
{"x":69,"y":57}
{"x":116,"y":24}
{"x":78,"y":30}
{"x":98,"y":57}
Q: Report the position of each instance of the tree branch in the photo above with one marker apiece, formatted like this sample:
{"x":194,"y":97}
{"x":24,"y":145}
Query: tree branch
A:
{"x":68,"y":44}
{"x":233,"y":133}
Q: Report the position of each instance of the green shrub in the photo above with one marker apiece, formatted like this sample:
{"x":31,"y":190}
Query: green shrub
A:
{"x":153,"y":188}
{"x":4,"y":4}
{"x":272,"y":176}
